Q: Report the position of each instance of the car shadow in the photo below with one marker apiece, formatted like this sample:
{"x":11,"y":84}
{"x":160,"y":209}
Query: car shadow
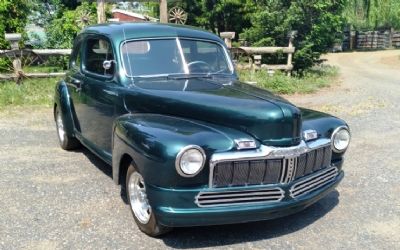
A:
{"x":213,"y":236}
{"x":96,"y":161}
{"x":102,"y":166}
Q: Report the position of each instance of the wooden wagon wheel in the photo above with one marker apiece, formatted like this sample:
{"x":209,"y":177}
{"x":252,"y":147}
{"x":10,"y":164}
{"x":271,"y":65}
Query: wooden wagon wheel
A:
{"x":19,"y":59}
{"x":83,"y":19}
{"x":177,"y":15}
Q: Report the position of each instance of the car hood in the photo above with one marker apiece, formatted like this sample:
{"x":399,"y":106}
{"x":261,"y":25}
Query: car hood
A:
{"x":268,"y":118}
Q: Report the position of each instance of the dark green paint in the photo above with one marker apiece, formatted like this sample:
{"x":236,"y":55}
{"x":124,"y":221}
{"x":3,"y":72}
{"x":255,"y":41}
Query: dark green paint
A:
{"x":152,"y":119}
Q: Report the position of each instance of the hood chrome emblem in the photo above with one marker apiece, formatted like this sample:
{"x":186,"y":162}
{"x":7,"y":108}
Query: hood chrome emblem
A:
{"x":245,"y":143}
{"x":310,"y":134}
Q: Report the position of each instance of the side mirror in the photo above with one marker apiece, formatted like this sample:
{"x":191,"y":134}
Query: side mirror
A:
{"x":107,"y":64}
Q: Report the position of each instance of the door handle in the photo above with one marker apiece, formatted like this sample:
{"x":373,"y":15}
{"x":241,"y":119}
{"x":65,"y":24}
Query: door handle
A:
{"x":75,"y":81}
{"x":77,"y":84}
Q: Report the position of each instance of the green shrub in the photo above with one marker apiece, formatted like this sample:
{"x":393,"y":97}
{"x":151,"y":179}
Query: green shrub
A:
{"x":61,"y":31}
{"x":317,"y":24}
{"x":13,"y":18}
{"x":310,"y":80}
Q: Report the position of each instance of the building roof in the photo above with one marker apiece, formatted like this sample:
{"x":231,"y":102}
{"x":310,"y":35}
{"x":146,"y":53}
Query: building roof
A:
{"x":128,"y":13}
{"x":127,"y":30}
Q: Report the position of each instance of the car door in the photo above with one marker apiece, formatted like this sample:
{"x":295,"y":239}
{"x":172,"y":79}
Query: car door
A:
{"x":98,"y":95}
{"x":74,"y":79}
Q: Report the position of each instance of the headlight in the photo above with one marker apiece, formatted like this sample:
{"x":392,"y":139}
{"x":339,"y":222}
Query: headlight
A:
{"x":340,"y":139}
{"x":190,"y":160}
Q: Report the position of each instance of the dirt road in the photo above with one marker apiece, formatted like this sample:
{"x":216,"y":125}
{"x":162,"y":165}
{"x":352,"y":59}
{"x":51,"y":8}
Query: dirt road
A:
{"x":53,"y":199}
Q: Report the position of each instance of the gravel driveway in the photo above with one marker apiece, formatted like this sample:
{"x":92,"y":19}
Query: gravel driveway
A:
{"x":53,"y":199}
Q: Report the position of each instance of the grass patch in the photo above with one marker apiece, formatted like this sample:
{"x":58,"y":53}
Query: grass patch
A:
{"x":38,"y":92}
{"x":310,"y":81}
{"x":42,"y":69}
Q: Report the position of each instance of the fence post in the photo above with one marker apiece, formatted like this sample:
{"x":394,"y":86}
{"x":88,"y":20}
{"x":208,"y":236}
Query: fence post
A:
{"x":228,"y":36}
{"x":353,"y":39}
{"x":292,"y":35}
{"x":391,"y":32}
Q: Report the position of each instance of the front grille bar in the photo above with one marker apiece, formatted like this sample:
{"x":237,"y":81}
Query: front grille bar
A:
{"x":313,"y":183}
{"x":229,"y":198}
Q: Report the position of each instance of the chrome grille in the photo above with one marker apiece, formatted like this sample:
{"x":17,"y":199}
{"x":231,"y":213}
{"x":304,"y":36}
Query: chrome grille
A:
{"x":313,"y":182}
{"x":269,"y":171}
{"x":247,"y":173}
{"x":228,"y":198}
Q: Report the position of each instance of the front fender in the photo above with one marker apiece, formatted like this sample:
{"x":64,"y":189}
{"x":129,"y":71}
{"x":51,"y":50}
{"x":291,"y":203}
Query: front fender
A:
{"x":63,"y":102}
{"x":324,"y":124}
{"x":153,"y":141}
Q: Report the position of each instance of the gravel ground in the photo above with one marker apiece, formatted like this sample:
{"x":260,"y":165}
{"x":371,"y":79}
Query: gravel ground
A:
{"x":53,"y":199}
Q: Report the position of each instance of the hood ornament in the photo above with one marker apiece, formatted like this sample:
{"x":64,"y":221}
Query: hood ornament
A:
{"x":310,"y":134}
{"x":245,"y":143}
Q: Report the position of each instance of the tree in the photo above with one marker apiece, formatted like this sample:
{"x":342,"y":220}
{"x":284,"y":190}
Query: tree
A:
{"x":218,"y":15}
{"x":317,"y":23}
{"x":373,"y":14}
{"x":62,"y":31}
{"x":13,"y":18}
{"x":101,"y":11}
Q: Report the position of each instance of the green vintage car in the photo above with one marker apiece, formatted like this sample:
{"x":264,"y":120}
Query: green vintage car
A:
{"x":189,"y":143}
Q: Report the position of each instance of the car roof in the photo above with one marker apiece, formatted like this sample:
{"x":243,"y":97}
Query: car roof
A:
{"x":129,"y":30}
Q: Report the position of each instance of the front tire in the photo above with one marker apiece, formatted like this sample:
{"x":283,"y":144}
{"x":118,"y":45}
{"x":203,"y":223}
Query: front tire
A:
{"x":66,"y":142}
{"x":139,"y":204}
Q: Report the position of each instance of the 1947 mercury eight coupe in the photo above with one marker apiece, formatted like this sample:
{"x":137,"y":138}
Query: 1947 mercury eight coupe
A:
{"x":189,"y":143}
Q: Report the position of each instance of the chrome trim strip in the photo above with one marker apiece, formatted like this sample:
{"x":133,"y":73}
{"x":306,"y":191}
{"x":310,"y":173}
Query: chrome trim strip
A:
{"x":185,"y":65}
{"x":231,"y":198}
{"x":265,"y":152}
{"x":313,"y":182}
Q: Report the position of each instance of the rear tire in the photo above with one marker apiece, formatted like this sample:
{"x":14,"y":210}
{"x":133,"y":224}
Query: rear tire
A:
{"x":66,"y":142}
{"x":140,"y":207}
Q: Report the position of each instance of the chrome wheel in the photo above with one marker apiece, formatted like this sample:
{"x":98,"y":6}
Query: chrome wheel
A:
{"x":138,"y":198}
{"x":60,"y":127}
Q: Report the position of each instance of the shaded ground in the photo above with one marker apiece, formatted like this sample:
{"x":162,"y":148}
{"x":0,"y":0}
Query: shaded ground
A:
{"x":53,"y":199}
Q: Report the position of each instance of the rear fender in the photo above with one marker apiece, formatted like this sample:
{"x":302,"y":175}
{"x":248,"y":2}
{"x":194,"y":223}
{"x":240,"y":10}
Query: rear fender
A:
{"x":63,"y":101}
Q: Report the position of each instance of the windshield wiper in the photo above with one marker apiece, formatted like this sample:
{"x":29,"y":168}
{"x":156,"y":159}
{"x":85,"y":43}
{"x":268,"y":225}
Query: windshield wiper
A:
{"x":178,"y":76}
{"x":188,"y":76}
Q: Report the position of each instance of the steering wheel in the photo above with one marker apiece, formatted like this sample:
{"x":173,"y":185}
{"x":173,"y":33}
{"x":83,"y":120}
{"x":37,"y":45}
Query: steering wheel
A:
{"x":202,"y":66}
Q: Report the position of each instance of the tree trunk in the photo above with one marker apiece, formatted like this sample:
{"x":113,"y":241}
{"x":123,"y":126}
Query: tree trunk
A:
{"x":163,"y":11}
{"x":101,"y":12}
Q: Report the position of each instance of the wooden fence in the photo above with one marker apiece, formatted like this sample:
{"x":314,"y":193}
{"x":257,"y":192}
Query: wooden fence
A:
{"x":371,"y":40}
{"x":254,"y":54}
{"x":17,"y":72}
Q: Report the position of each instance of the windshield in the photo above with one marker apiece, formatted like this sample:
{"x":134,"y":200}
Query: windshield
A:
{"x":174,"y":56}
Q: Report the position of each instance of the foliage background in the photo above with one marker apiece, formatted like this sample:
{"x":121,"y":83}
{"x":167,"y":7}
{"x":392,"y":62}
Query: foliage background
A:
{"x":373,"y":14}
{"x":268,"y":22}
{"x":13,"y":18}
{"x":319,"y":23}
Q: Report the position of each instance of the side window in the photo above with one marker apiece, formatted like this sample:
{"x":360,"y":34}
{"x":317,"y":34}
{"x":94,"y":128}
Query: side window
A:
{"x":98,"y":51}
{"x":76,"y":58}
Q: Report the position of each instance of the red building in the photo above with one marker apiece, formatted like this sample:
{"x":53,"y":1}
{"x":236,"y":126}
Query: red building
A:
{"x":127,"y":16}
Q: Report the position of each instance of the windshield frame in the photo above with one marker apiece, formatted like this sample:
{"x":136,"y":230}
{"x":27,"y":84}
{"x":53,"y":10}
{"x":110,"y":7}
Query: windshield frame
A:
{"x":178,"y":40}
